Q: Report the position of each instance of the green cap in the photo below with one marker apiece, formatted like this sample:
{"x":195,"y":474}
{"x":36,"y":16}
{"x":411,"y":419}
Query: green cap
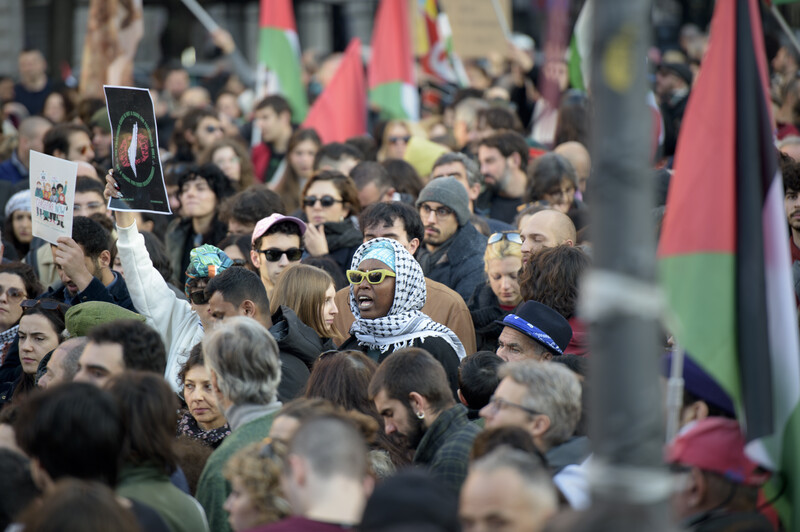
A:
{"x":80,"y":318}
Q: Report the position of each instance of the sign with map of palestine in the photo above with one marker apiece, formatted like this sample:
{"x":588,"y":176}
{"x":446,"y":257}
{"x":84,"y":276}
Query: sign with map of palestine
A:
{"x":136,"y":162}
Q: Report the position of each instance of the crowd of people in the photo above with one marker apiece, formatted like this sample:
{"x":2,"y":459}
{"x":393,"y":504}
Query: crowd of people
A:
{"x":332,"y":336}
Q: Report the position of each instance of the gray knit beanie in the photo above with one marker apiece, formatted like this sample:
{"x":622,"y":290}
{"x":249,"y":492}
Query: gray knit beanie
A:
{"x":449,"y":192}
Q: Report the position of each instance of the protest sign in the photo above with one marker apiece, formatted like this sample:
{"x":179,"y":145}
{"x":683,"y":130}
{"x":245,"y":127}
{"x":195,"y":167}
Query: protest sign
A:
{"x":136,"y":162}
{"x":52,"y":187}
{"x":476,"y":29}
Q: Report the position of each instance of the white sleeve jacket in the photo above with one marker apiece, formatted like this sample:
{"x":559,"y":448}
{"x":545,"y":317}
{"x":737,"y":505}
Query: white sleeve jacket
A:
{"x":173,"y":318}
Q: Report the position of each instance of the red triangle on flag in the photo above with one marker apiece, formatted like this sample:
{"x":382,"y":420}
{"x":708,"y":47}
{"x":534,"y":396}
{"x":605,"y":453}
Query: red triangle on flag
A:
{"x":277,"y":14}
{"x":391,"y":58}
{"x":340,"y":112}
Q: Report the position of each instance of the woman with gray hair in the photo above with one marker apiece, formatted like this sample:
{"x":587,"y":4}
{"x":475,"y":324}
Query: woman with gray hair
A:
{"x":242,"y":360}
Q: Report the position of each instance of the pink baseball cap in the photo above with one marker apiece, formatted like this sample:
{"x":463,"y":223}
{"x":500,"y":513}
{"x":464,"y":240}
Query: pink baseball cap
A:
{"x":716,"y":444}
{"x":264,"y":224}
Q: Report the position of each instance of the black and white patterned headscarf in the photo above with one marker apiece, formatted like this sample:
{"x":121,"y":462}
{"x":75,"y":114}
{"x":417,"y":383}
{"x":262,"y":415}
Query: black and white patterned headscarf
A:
{"x":405,"y":322}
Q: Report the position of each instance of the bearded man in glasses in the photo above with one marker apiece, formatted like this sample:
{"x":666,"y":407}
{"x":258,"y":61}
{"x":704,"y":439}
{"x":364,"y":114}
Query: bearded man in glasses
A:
{"x":544,"y":399}
{"x":453,"y":251}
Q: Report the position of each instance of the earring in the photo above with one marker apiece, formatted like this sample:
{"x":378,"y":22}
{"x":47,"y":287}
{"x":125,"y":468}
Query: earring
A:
{"x":421,"y":415}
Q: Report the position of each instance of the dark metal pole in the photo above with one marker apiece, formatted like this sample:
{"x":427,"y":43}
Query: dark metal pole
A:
{"x":626,"y":424}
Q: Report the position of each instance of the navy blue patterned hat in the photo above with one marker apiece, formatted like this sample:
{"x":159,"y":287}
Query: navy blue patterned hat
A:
{"x":542,"y":324}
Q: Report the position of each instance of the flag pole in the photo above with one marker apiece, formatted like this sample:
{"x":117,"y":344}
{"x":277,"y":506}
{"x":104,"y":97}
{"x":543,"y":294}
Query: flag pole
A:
{"x":501,"y":18}
{"x":627,"y":476}
{"x":785,"y":27}
{"x":675,"y":392}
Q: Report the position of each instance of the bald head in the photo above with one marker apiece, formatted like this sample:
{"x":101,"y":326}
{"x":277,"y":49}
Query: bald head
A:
{"x":31,"y":137}
{"x":86,"y":169}
{"x":577,"y":154}
{"x":63,"y":363}
{"x":546,"y":229}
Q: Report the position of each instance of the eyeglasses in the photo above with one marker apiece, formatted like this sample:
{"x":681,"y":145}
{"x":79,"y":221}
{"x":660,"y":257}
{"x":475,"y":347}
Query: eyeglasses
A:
{"x":47,"y":304}
{"x":198,"y":297}
{"x":511,"y":236}
{"x":325,"y":201}
{"x":395,"y":140}
{"x":499,"y":404}
{"x":12,"y":292}
{"x":275,"y":254}
{"x":441,"y":212}
{"x":356,"y":277}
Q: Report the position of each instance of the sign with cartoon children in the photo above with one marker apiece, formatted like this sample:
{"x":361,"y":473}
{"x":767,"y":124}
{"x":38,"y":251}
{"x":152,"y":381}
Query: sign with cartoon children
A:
{"x":137,"y":165}
{"x":52,"y":185}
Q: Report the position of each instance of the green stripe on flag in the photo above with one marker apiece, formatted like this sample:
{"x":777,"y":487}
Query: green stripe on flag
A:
{"x":789,"y":466}
{"x":275,"y":51}
{"x":700,"y":290}
{"x":389,"y":98}
{"x":574,"y":66}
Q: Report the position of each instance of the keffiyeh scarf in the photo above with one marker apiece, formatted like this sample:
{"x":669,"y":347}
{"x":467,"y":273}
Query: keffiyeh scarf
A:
{"x":405,"y":322}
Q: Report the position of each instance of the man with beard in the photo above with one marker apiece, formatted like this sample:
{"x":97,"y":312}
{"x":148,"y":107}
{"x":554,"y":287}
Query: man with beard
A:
{"x":453,"y":253}
{"x":791,"y":202}
{"x":504,"y":161}
{"x":411,"y":380}
{"x":84,"y":266}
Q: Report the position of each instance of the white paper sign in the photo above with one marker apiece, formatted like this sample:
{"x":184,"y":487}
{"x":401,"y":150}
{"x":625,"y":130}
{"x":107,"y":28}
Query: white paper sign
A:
{"x":52,"y":187}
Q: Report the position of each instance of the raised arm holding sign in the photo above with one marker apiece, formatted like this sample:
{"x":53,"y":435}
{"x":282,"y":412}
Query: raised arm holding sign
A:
{"x":136,"y":161}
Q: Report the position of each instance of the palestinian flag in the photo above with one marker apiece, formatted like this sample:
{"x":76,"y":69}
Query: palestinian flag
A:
{"x":279,"y":52}
{"x":340,"y":112}
{"x":435,"y":45}
{"x":580,"y":48}
{"x":390,"y":74}
{"x":724,"y":256}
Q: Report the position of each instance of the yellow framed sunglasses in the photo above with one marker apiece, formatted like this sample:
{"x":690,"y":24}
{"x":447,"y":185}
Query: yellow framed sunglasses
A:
{"x":372,"y":276}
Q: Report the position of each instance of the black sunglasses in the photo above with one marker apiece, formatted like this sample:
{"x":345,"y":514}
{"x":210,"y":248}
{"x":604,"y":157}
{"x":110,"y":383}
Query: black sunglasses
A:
{"x":198,"y":297}
{"x":275,"y":254}
{"x":325,"y":201}
{"x":395,"y":140}
{"x":47,"y":304}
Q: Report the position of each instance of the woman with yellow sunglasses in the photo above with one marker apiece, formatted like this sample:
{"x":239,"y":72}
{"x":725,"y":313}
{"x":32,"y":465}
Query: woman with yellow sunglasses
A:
{"x":387,"y":291}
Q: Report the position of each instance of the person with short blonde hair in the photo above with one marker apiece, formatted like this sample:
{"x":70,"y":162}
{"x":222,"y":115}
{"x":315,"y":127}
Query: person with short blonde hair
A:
{"x":255,"y":475}
{"x":500,"y":294}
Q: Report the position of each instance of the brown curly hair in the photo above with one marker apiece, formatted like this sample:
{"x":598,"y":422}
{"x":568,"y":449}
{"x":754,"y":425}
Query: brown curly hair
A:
{"x":260,"y":474}
{"x":551,"y":278}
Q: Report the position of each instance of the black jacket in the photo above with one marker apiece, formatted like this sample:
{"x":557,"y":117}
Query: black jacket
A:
{"x":458,"y":264}
{"x":435,"y":345}
{"x":343,"y":241}
{"x":485,"y":309}
{"x":177,"y":240}
{"x":117,"y":293}
{"x":299,"y":347}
